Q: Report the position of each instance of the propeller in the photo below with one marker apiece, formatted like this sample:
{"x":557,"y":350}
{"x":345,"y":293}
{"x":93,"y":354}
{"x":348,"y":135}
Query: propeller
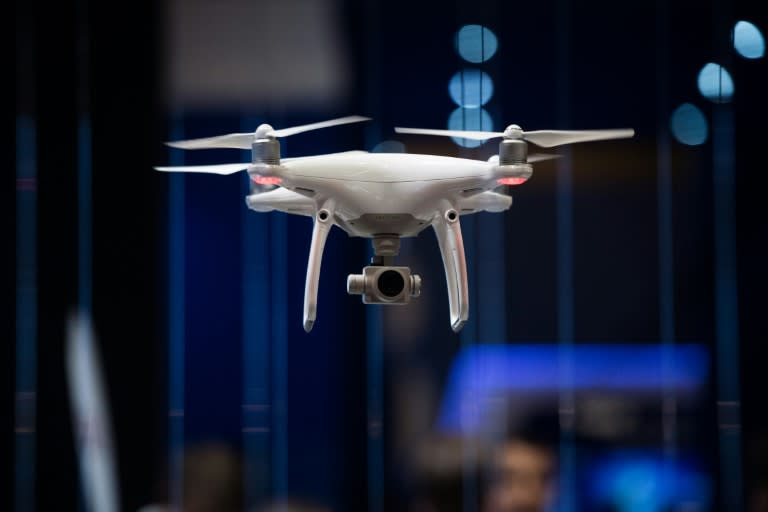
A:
{"x":543,"y":138}
{"x":536,"y":157}
{"x":265,"y":131}
{"x":540,"y":157}
{"x":209,"y":169}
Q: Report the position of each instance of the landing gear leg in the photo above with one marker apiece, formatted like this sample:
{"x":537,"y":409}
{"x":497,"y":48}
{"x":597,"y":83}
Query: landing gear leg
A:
{"x":323,"y":225}
{"x":448,"y":230}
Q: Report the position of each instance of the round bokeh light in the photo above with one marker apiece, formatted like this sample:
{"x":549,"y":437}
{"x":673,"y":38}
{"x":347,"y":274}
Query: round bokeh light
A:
{"x":469,"y":119}
{"x":688,"y":125}
{"x":476,"y":43}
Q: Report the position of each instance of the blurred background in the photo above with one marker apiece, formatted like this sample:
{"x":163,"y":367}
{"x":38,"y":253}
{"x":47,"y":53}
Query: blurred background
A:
{"x":615,"y":351}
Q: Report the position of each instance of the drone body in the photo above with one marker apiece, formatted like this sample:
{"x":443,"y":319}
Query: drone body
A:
{"x":385,"y":197}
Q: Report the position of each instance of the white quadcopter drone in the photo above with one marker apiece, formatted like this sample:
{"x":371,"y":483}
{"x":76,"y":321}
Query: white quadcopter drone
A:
{"x":385,"y":197}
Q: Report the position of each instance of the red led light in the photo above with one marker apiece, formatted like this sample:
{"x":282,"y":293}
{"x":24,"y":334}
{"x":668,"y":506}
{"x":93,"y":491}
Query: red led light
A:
{"x":266,"y":180}
{"x":511,"y":181}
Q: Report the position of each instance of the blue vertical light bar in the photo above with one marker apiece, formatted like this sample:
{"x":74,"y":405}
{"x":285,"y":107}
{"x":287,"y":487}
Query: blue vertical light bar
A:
{"x":565,"y":291}
{"x":374,"y":325}
{"x":25,"y":420}
{"x":176,"y":320}
{"x":257,"y":311}
{"x":469,"y":337}
{"x":375,"y":409}
{"x":279,"y":264}
{"x":666,"y":244}
{"x":726,"y":308}
{"x":726,"y":284}
{"x":84,"y":215}
{"x":565,"y":331}
{"x":489,"y":307}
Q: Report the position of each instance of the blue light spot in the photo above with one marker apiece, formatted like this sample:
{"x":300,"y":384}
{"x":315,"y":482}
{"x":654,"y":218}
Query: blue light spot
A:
{"x":748,"y":41}
{"x":476,"y":43}
{"x":389,"y":146}
{"x":469,"y":119}
{"x":632,"y":480}
{"x":715,"y":83}
{"x":470,"y":88}
{"x":688,"y":124}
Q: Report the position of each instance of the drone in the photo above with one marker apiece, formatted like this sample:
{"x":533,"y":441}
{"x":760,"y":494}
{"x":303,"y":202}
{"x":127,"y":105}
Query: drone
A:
{"x":386,"y":197}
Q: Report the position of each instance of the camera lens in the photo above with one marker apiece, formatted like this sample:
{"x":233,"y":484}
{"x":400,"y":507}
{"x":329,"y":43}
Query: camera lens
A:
{"x":391,"y":283}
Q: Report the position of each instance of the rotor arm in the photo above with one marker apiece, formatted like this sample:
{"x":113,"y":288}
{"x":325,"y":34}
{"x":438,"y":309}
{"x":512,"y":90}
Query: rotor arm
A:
{"x":323,"y":224}
{"x":448,"y":230}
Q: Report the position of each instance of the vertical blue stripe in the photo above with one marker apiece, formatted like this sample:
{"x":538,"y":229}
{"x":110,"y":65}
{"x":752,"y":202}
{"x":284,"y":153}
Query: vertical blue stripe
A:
{"x":726,"y":307}
{"x":176,"y":319}
{"x":279,"y":264}
{"x":374,"y":323}
{"x":565,"y":331}
{"x":726,"y":296}
{"x":256,"y":332}
{"x":565,"y":290}
{"x":469,"y":337}
{"x":664,"y":187}
{"x":84,"y":218}
{"x":375,"y":398}
{"x":25,"y":421}
{"x":666,"y":245}
{"x":488,"y":305}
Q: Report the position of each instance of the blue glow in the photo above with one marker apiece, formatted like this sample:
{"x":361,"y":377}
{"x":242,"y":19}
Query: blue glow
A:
{"x":486,"y":372}
{"x":715,"y":83}
{"x":469,"y":119}
{"x":688,"y":125}
{"x":389,"y":146}
{"x":748,"y":41}
{"x":638,"y":481}
{"x":470,"y":88}
{"x":476,"y":43}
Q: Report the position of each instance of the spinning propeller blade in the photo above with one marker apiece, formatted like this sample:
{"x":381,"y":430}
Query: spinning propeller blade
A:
{"x":285,"y":132}
{"x":464,"y":134}
{"x":536,"y":157}
{"x":209,"y":169}
{"x":540,"y":157}
{"x":552,"y":138}
{"x":231,"y":140}
{"x":244,"y":140}
{"x":543,"y":138}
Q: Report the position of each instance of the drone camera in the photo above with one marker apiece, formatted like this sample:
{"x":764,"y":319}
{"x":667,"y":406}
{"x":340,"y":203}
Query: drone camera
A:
{"x":380,"y":284}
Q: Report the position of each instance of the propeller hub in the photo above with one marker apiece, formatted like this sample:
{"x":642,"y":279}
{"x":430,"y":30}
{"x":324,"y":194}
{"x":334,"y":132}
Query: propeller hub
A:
{"x":264,"y":131}
{"x":513,"y":131}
